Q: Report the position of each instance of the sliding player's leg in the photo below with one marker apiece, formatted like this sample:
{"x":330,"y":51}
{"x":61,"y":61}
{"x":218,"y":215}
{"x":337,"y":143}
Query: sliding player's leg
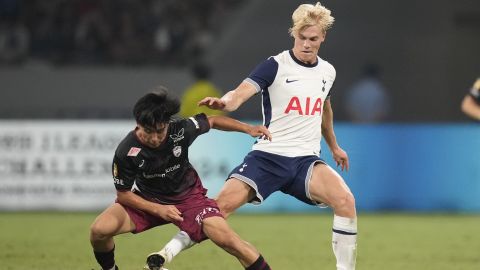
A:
{"x":113,"y":221}
{"x":234,"y":194}
{"x":217,"y":230}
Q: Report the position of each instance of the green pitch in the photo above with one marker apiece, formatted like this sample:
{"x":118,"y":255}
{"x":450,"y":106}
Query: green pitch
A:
{"x":386,"y":241}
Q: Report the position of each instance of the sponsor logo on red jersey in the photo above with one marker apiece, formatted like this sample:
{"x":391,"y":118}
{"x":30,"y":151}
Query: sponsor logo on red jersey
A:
{"x":208,"y":210}
{"x":133,"y":152}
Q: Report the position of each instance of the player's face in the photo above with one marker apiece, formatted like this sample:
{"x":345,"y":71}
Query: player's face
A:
{"x":152,"y":136}
{"x":307,"y":43}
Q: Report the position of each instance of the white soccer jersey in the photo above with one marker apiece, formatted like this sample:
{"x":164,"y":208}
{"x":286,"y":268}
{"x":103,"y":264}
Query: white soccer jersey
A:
{"x":293,"y":94}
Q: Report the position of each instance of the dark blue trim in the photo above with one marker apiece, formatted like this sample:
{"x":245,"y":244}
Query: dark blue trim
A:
{"x":300,"y":62}
{"x":267,"y":107}
{"x":264,"y":74}
{"x":343,"y":232}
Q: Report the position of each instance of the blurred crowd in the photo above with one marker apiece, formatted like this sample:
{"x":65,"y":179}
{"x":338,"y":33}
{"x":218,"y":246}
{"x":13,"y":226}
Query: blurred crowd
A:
{"x":124,"y":32}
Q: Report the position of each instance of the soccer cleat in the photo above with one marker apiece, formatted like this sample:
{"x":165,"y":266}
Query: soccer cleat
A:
{"x":155,"y":261}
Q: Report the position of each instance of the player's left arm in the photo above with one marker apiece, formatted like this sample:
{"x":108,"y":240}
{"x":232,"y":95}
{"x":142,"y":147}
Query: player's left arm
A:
{"x":229,"y":124}
{"x":339,"y":155}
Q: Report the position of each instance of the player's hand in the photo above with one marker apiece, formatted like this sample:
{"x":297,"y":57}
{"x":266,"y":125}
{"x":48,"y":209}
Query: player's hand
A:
{"x":169,"y":213}
{"x":212,"y":103}
{"x":476,"y":85}
{"x":341,"y":158}
{"x":260,"y":131}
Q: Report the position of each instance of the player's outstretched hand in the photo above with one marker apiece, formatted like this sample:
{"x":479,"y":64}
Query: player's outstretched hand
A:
{"x":212,"y":103}
{"x":341,"y":158}
{"x":169,"y":213}
{"x":260,"y":131}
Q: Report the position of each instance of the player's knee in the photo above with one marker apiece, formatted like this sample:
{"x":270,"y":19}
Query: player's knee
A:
{"x":345,"y":201}
{"x":226,"y":208}
{"x":349,"y":201}
{"x":226,"y":213}
{"x":98,"y":232}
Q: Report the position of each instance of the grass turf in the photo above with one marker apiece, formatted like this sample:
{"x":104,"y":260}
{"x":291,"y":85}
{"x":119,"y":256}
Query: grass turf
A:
{"x":287,"y":241}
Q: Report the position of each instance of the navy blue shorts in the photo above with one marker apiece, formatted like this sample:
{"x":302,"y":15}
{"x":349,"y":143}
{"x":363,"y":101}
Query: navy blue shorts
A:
{"x":267,"y":173}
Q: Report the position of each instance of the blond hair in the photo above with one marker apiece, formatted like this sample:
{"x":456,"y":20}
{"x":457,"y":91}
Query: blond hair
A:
{"x":307,"y":15}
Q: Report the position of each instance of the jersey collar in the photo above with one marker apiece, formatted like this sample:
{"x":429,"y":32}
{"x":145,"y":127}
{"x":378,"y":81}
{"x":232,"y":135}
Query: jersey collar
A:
{"x":300,"y":62}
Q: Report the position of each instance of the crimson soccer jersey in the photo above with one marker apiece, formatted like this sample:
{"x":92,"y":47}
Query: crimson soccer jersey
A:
{"x":163,"y":174}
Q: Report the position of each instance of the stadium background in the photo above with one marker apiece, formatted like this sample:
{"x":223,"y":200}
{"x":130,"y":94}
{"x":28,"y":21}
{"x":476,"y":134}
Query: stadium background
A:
{"x":66,"y":98}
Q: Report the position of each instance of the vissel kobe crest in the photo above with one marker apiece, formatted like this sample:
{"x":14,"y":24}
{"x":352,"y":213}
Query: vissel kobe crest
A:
{"x":177,"y":151}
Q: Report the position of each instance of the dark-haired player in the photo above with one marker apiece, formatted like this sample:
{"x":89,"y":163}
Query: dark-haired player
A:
{"x":157,"y":185}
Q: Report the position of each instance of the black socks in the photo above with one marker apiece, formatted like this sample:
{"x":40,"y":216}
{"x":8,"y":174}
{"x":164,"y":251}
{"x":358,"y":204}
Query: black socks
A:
{"x":259,"y":264}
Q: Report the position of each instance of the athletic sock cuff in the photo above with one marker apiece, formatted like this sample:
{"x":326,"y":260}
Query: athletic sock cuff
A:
{"x":344,"y":225}
{"x":259,"y":264}
{"x":105,"y":259}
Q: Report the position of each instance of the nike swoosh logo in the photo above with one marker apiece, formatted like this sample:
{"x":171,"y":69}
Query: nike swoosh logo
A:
{"x":289,"y":81}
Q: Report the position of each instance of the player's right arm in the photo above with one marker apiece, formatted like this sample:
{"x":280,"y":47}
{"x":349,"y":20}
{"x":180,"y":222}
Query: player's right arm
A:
{"x":123,"y":173}
{"x":166,"y":212}
{"x":260,"y":78}
{"x":232,"y":99}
